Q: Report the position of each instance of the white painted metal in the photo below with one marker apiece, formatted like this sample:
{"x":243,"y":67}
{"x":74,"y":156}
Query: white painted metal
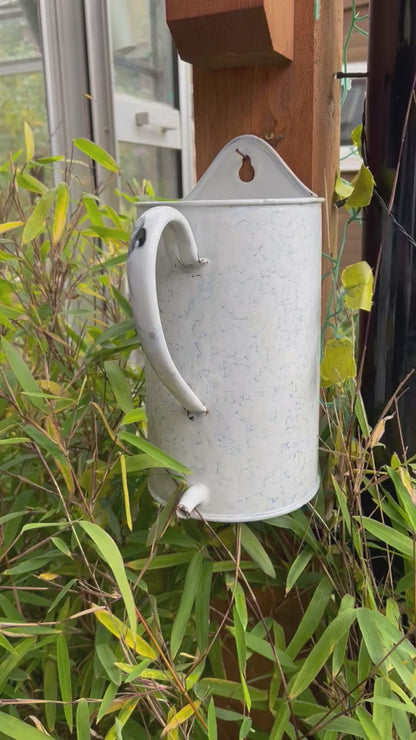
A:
{"x":238,"y":306}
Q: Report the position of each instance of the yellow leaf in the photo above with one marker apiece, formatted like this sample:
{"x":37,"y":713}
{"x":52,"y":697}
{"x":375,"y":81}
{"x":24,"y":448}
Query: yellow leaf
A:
{"x":125,"y":492}
{"x":356,"y":135}
{"x":29,"y":142}
{"x":357,"y":281}
{"x":180,"y":717}
{"x":128,"y":708}
{"x":363,"y":186}
{"x":51,"y":387}
{"x":48,"y":576}
{"x":61,"y":209}
{"x":338,"y":363}
{"x":9,"y":226}
{"x":343,"y":188}
{"x":124,"y":633}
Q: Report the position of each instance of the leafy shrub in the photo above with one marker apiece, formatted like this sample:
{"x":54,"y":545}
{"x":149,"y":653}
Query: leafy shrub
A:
{"x":116,"y":620}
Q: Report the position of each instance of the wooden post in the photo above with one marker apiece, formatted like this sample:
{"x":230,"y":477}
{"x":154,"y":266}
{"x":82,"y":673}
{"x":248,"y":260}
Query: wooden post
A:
{"x":293,"y":105}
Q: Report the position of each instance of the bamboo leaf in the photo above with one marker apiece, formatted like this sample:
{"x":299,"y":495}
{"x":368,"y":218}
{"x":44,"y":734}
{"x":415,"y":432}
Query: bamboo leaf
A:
{"x":389,"y":536}
{"x":180,"y":717}
{"x":212,"y":721}
{"x":61,"y":210}
{"x":256,"y":551}
{"x":202,"y":604}
{"x":126,"y":495}
{"x":107,"y":700}
{"x":298,"y":566}
{"x":111,"y":554}
{"x":321,"y":651}
{"x":83,"y":720}
{"x":50,"y":692}
{"x":23,"y":375}
{"x":192,"y":579}
{"x":166,"y":461}
{"x":64,"y":676}
{"x":137,"y":415}
{"x":9,"y":226}
{"x":29,"y":142}
{"x":125,"y":713}
{"x":123,"y":633}
{"x":119,"y":386}
{"x":96,"y":153}
{"x":16,"y":729}
{"x":231,"y":689}
{"x":28,"y":182}
{"x":37,"y":219}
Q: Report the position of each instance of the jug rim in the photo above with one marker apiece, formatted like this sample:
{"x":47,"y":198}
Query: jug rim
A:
{"x":312,"y":200}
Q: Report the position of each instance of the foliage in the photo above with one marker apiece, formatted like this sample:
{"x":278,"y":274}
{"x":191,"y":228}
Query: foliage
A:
{"x":117,"y":621}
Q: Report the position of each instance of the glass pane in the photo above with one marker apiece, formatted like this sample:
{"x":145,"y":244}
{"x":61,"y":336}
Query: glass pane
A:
{"x":22,"y":92}
{"x":156,"y":164}
{"x":142,"y":50}
{"x":19,"y":30}
{"x":23,"y":99}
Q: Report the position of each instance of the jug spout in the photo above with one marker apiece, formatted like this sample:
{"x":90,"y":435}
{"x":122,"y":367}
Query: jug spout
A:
{"x":195,"y":495}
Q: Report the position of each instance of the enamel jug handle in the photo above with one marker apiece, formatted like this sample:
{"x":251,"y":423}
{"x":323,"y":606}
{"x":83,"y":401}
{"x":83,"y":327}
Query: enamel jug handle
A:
{"x":141,"y":274}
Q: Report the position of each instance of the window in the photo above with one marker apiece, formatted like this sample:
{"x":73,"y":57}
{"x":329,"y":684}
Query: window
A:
{"x":109,"y":73}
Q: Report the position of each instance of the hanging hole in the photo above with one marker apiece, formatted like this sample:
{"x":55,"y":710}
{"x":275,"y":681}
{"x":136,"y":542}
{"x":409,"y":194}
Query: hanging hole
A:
{"x":246,"y":171}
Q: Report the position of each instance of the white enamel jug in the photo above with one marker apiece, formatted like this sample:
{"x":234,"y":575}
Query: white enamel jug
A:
{"x":225,"y":291}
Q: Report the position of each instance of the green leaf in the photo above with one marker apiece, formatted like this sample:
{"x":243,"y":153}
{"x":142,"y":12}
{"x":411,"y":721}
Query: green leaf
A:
{"x":407,"y":501}
{"x":255,"y":549}
{"x":111,"y":555}
{"x":338,"y":363}
{"x":83,"y":720}
{"x":119,"y":386}
{"x":37,"y":219}
{"x":361,"y":415}
{"x":202,"y":604}
{"x":321,"y":651}
{"x":344,"y":725}
{"x":357,"y":281}
{"x":230,"y":689}
{"x":389,"y":536}
{"x":368,"y":725}
{"x":281,"y":721}
{"x":312,"y":617}
{"x":192,"y":579}
{"x":64,"y":676}
{"x":28,"y":182}
{"x":107,"y":700}
{"x":342,"y":503}
{"x":50,"y":692}
{"x":212,"y":721}
{"x":107,"y":659}
{"x":386,"y":645}
{"x":105,"y":232}
{"x":16,"y":729}
{"x":298,"y":566}
{"x":363,"y":186}
{"x":382,"y":712}
{"x":96,"y":153}
{"x":166,"y":461}
{"x":135,"y":416}
{"x":23,"y":375}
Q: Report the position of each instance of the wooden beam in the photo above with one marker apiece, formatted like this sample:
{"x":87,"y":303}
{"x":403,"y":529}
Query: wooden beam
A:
{"x":232,"y":33}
